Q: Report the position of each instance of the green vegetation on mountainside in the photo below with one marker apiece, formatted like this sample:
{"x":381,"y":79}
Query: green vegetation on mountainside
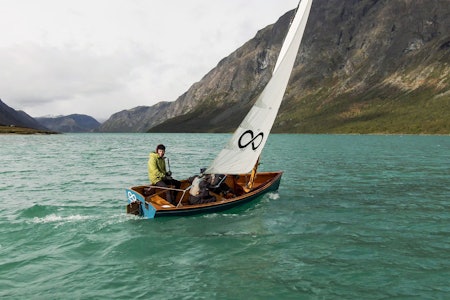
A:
{"x":23,"y":130}
{"x":418,"y":112}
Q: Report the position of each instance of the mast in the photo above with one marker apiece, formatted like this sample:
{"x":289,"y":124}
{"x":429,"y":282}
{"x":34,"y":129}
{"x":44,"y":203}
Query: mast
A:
{"x":249,"y":185}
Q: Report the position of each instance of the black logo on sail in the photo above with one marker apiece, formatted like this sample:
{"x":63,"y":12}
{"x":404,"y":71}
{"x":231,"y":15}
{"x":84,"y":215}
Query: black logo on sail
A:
{"x":255,"y":141}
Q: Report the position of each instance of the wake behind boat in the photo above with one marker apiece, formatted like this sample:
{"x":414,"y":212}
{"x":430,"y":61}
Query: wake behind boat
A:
{"x":232,"y":178}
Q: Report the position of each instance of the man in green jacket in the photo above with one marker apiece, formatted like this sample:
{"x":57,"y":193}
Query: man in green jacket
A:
{"x":158,"y":174}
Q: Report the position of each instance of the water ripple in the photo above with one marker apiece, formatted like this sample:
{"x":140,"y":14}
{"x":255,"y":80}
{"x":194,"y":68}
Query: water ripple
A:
{"x":356,"y":217}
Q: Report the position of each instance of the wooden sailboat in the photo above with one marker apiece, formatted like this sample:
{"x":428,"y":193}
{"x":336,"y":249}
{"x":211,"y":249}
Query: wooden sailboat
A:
{"x":232,"y":179}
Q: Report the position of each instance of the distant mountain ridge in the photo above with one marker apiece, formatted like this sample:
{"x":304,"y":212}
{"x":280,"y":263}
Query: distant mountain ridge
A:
{"x":12,"y":117}
{"x":70,"y":123}
{"x":365,"y":66}
{"x":138,"y":119}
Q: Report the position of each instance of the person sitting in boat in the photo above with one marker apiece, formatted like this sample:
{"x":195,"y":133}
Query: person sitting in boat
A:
{"x":199,"y":192}
{"x":158,"y":174}
{"x":217,"y":185}
{"x":203,"y":184}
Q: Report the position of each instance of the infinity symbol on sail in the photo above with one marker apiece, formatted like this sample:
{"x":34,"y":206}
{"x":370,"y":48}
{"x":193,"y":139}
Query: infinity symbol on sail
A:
{"x":252,"y":139}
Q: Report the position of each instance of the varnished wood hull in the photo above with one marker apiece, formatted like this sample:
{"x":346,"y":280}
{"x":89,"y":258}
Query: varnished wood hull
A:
{"x":155,"y":205}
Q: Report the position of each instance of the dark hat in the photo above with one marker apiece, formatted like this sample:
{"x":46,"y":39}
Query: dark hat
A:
{"x":160,"y":146}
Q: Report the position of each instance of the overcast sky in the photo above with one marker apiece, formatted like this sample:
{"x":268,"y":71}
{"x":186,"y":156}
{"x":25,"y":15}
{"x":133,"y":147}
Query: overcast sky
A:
{"x":98,"y":57}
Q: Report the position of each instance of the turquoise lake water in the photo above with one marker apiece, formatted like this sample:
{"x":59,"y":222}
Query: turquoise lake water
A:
{"x":356,"y":217}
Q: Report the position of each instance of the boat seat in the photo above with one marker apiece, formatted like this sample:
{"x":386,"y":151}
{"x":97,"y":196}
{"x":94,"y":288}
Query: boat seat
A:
{"x":159,"y":200}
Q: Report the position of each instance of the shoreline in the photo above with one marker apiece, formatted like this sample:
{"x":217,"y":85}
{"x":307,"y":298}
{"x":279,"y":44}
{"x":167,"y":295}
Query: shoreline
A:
{"x":24,"y":130}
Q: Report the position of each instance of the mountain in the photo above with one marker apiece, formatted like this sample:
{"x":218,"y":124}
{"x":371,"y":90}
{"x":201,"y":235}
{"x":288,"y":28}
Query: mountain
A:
{"x":70,"y":123}
{"x":138,"y":119}
{"x":365,"y":66}
{"x":12,"y":117}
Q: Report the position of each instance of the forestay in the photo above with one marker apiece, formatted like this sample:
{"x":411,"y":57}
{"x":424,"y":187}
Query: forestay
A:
{"x":245,"y":146}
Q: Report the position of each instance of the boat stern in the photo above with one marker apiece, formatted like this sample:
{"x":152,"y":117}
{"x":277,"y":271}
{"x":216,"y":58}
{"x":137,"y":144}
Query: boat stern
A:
{"x":138,"y":206}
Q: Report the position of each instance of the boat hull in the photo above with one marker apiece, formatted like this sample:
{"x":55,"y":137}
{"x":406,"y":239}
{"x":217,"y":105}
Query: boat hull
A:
{"x":154,"y":205}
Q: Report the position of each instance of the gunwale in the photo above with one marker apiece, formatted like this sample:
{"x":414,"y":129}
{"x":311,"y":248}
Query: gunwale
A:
{"x":265,"y":182}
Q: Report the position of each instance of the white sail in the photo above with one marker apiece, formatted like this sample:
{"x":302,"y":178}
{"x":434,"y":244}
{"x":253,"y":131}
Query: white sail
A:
{"x":245,"y":146}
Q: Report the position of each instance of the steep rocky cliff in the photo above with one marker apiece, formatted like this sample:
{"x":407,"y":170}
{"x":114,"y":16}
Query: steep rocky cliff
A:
{"x":365,"y":66}
{"x":372,"y":66}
